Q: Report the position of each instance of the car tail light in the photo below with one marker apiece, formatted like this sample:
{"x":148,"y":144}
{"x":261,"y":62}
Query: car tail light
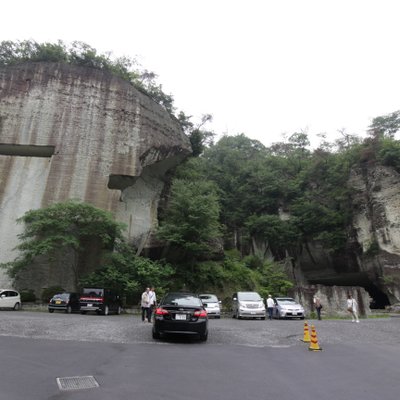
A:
{"x":97,"y":299}
{"x":200,"y":314}
{"x":161,"y":311}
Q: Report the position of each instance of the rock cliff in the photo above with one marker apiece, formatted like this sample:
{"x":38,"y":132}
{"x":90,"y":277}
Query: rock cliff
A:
{"x":69,"y":132}
{"x":372,"y":256}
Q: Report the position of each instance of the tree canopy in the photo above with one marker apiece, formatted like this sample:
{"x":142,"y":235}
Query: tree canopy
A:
{"x":63,"y":227}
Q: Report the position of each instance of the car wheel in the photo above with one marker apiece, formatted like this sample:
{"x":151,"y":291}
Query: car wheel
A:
{"x":119,"y":310}
{"x":263,"y":318}
{"x":68,"y":310}
{"x":51,"y":311}
{"x":83,"y":312}
{"x":218,"y":317}
{"x":17,"y":306}
{"x":156,"y":335}
{"x":204,"y":337}
{"x":106,"y":310}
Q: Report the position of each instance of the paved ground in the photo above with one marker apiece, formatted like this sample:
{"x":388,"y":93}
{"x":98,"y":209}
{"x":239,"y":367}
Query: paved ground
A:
{"x":242,"y":360}
{"x":130,"y":329}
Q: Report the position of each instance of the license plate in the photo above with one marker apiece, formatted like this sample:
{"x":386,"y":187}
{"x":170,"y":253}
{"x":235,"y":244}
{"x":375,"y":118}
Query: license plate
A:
{"x":58,"y":301}
{"x":180,"y":316}
{"x":89,"y":305}
{"x":252,"y":312}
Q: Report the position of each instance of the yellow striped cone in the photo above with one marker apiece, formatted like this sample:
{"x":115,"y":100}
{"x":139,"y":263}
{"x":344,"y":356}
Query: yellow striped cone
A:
{"x":306,"y":336}
{"x":314,"y":341}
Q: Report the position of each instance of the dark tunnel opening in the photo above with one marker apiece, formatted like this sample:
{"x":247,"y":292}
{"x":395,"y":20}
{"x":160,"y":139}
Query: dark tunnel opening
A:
{"x":379,"y":299}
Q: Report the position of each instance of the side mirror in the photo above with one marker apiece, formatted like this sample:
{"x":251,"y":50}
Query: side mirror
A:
{"x":234,"y":299}
{"x":3,"y":295}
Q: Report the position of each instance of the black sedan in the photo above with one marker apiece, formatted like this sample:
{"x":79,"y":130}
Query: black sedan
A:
{"x":181,"y":313}
{"x":67,"y":302}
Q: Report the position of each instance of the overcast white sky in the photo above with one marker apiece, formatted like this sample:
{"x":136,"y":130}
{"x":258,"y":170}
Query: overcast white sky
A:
{"x":260,"y":67}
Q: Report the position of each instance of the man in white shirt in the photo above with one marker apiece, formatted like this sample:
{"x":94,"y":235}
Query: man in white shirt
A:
{"x":270,"y":306}
{"x":145,"y":304}
{"x":152,"y":300}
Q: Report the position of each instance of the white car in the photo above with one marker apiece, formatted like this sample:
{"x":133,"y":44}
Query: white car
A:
{"x":211,"y":304}
{"x":10,"y":298}
{"x":248,"y":305}
{"x":287,"y":307}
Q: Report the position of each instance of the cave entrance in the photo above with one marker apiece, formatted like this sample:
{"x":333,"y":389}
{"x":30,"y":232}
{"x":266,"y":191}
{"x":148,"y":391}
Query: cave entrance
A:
{"x":379,"y":299}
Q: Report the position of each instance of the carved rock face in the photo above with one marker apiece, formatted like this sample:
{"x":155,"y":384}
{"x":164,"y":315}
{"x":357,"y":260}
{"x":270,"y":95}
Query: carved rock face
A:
{"x":69,"y":132}
{"x":372,"y":256}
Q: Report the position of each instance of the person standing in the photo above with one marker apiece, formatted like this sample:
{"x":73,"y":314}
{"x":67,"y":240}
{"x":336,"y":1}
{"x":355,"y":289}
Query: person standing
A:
{"x":145,"y":304}
{"x":352,"y":308}
{"x":153,"y":300}
{"x":318,"y":306}
{"x":270,"y":306}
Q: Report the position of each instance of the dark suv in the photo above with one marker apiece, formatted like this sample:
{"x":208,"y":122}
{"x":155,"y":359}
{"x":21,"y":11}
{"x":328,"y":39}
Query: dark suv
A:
{"x":102,"y":301}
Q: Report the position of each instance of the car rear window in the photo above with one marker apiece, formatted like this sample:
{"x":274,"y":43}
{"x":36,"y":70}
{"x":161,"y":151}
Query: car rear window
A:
{"x":182,"y":300}
{"x":209,"y":297}
{"x":93,"y":292}
{"x":62,"y":296}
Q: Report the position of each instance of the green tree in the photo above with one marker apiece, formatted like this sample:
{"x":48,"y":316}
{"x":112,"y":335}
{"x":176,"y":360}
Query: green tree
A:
{"x":191,"y":222}
{"x":275,"y":280}
{"x":128,"y":273}
{"x":228,"y":165}
{"x":385,"y":125}
{"x":64,"y":230}
{"x":279,"y":234}
{"x":389,"y":153}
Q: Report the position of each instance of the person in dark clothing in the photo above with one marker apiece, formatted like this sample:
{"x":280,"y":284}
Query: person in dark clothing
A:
{"x":318,"y":306}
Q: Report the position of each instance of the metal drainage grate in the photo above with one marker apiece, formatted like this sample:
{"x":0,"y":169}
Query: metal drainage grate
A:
{"x":77,"y":382}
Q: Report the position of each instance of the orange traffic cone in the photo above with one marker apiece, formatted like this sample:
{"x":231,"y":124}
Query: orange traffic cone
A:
{"x":306,"y":337}
{"x":314,"y":341}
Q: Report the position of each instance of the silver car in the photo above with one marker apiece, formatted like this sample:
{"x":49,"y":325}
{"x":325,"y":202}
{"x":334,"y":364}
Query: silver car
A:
{"x":248,"y":305}
{"x":211,"y":304}
{"x":287,"y":307}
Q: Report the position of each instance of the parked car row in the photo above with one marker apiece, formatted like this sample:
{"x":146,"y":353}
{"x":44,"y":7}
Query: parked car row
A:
{"x":188,"y":313}
{"x":99,"y":300}
{"x":177,"y":312}
{"x":251,"y":305}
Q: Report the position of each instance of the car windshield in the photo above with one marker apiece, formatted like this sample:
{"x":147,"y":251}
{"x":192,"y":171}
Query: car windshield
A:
{"x":90,"y":292}
{"x":61,"y":296}
{"x":182,"y":300}
{"x":249,"y":296}
{"x":286,"y":301}
{"x":209,"y":298}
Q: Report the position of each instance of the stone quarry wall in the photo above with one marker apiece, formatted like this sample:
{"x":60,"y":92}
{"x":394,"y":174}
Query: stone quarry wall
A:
{"x":372,"y":255}
{"x":69,"y":132}
{"x":371,"y":259}
{"x":333,"y":299}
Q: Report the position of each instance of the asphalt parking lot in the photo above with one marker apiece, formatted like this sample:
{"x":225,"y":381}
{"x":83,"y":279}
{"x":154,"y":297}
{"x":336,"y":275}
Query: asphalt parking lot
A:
{"x":129,"y":328}
{"x":242,"y":359}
